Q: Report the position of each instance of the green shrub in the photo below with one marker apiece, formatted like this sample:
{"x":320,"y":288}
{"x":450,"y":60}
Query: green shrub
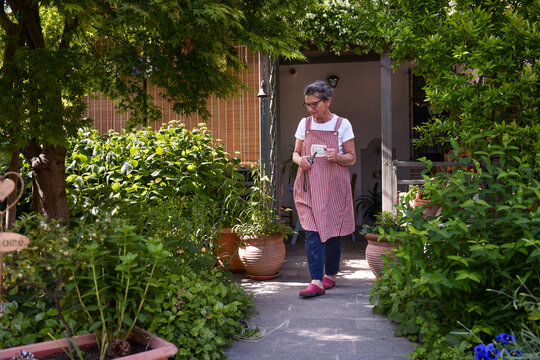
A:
{"x":455,"y":267}
{"x":187,"y":228}
{"x":134,"y":170}
{"x":199,"y":312}
{"x":385,"y":222}
{"x":28,"y":318}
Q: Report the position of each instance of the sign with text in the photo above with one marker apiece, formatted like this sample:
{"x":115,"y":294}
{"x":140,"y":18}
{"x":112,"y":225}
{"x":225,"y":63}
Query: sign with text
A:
{"x":10,"y":241}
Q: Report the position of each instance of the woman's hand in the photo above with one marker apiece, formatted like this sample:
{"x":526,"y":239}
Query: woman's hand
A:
{"x":331,"y":154}
{"x":305,"y":164}
{"x":302,"y":161}
{"x":348,"y":157}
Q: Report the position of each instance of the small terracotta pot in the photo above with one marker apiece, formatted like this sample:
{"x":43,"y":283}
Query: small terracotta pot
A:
{"x":375,"y":249}
{"x":429,"y":210}
{"x":227,"y":250}
{"x":263,"y":256}
{"x":158,"y":349}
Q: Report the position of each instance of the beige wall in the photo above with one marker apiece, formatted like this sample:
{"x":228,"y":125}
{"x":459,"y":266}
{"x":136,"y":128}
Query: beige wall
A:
{"x":357,"y":98}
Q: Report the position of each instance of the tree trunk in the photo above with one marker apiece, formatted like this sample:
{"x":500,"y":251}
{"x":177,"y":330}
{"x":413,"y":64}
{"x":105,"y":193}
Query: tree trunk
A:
{"x":48,"y":174}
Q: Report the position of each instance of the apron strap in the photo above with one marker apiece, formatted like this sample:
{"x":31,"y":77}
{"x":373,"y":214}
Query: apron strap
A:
{"x":308,"y":125}
{"x":338,"y":124}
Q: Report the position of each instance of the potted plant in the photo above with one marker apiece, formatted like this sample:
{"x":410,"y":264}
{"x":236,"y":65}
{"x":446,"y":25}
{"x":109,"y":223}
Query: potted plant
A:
{"x":261,"y":231}
{"x":421,"y":196}
{"x":379,"y":242}
{"x":99,"y":274}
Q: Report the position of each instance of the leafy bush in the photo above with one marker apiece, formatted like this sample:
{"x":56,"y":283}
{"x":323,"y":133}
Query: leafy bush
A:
{"x":455,"y":267}
{"x":141,"y":167}
{"x":385,"y":223}
{"x":199,"y":312}
{"x":28,"y":318}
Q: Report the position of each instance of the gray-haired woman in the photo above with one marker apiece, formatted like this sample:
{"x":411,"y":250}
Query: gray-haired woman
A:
{"x":324,"y":150}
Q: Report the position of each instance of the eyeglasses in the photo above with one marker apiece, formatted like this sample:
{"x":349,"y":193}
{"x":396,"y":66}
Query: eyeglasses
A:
{"x":312,"y":105}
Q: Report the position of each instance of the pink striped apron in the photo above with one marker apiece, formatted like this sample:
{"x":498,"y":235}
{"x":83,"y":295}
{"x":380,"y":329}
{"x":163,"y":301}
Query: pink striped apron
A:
{"x":323,"y":197}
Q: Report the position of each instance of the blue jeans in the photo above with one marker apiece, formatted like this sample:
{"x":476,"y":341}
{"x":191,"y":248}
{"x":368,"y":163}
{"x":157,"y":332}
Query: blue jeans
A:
{"x":322,"y":257}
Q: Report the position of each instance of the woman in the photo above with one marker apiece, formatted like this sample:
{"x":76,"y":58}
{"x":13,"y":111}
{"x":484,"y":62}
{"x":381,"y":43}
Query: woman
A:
{"x":324,"y":150}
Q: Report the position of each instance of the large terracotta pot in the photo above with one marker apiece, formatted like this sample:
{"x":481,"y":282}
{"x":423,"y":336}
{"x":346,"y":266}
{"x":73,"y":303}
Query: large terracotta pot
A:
{"x":263,"y":256}
{"x":375,"y":249}
{"x":227,"y":250}
{"x":158,"y":349}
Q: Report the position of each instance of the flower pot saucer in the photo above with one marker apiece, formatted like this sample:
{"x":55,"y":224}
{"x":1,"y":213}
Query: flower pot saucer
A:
{"x":263,"y":277}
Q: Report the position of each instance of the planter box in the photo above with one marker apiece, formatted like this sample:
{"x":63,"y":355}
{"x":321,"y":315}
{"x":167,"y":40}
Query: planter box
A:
{"x":159,"y":349}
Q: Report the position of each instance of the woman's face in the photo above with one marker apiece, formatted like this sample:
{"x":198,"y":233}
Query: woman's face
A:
{"x":316,"y":107}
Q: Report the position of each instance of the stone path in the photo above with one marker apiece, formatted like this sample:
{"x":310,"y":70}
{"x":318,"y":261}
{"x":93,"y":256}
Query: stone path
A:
{"x":339,"y":325}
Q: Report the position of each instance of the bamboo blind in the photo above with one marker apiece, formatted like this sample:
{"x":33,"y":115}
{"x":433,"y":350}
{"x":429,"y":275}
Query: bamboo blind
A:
{"x":235,"y":120}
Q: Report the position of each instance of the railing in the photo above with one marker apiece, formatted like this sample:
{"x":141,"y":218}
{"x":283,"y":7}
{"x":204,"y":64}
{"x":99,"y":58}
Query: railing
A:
{"x":412,"y":165}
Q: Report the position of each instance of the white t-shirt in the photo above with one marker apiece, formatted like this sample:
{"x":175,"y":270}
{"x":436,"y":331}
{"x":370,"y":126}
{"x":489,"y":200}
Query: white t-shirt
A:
{"x":345,"y":131}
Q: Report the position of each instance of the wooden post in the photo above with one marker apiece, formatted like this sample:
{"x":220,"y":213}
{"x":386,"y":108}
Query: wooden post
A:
{"x":386,"y":132}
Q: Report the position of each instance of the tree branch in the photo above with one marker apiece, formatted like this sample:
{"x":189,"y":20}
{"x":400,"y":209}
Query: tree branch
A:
{"x":30,"y":17}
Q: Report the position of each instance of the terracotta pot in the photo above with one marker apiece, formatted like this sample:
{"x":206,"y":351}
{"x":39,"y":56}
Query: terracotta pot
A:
{"x":263,"y":256}
{"x":429,"y":210}
{"x":159,"y":349}
{"x":227,"y":250}
{"x":375,"y":249}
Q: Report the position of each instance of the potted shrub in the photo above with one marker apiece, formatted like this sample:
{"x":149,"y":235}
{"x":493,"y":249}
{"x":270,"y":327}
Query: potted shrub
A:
{"x":99,"y":274}
{"x":379,"y":242}
{"x":261,"y":231}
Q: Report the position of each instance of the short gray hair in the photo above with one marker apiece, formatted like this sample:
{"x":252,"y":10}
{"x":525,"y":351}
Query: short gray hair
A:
{"x":320,"y":89}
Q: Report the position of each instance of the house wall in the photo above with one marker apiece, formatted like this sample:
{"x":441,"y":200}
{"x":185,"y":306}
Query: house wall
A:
{"x":233,"y":120}
{"x":357,"y":97}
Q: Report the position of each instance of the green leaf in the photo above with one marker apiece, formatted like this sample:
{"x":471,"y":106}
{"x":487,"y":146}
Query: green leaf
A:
{"x":127,"y":168}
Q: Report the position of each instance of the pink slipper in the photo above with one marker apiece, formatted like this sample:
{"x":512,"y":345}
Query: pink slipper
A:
{"x":312,"y":290}
{"x":328,"y":283}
